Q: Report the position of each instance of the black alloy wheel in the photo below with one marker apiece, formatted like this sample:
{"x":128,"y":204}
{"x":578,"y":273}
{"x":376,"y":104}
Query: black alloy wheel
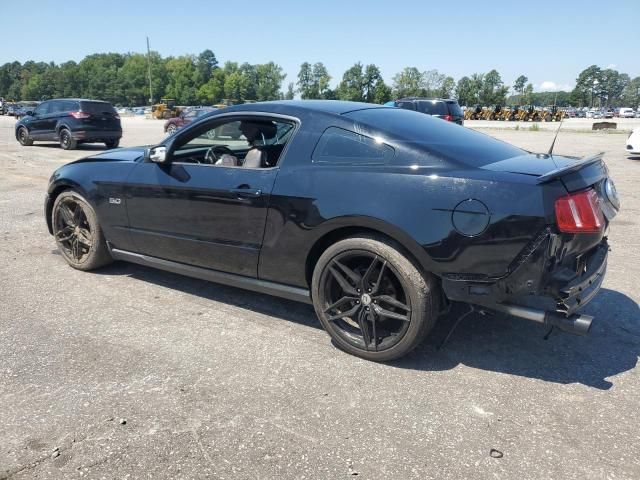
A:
{"x":66,"y":140}
{"x":372,"y":300}
{"x":77,"y":233}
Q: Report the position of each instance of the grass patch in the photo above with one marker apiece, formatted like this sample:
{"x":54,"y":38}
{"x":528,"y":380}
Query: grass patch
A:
{"x":535,"y":127}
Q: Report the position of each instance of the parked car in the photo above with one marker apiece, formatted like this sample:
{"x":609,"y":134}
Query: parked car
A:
{"x":380,"y":217}
{"x":633,"y":142}
{"x":11,"y":109}
{"x":185,"y":118}
{"x":70,"y":122}
{"x":608,"y":113}
{"x":446,"y":109}
{"x":581,"y":114}
{"x":627,"y":113}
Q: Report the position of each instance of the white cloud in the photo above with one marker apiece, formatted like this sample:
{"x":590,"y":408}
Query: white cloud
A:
{"x":612,"y":66}
{"x":549,"y":86}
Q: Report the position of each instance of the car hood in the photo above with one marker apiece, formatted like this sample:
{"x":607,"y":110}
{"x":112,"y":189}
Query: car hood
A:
{"x":118,"y":155}
{"x":532,"y":164}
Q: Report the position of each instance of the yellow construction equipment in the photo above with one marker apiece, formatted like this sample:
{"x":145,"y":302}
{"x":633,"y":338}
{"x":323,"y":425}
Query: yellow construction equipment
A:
{"x":165,"y":109}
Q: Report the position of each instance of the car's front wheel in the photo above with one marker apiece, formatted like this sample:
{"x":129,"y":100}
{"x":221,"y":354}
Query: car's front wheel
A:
{"x":371,"y":299}
{"x":23,"y":137}
{"x":171,"y":129}
{"x":78,"y":233}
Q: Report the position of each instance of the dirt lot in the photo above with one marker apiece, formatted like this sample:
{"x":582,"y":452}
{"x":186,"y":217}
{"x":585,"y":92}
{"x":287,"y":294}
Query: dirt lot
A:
{"x":134,"y":373}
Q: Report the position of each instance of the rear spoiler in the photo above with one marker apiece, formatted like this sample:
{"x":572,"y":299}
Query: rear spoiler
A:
{"x":580,"y":164}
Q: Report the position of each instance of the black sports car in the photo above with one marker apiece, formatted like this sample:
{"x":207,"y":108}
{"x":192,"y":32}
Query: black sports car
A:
{"x":379,"y":216}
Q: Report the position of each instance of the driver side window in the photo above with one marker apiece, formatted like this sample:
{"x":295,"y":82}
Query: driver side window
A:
{"x":43,"y":108}
{"x":250,"y":142}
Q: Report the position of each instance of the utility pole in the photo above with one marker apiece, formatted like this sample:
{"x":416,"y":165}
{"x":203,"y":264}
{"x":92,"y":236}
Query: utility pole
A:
{"x":149,"y":63}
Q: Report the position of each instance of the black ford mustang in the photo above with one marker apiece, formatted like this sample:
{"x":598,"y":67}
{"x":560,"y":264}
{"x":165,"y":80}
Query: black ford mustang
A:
{"x":378,"y":216}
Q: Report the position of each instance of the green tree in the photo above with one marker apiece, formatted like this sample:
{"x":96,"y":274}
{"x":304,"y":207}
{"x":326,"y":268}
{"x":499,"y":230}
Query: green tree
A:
{"x":587,"y":88}
{"x":182,"y":76}
{"x":291,"y":92}
{"x":408,"y":82}
{"x":205,"y":65}
{"x":447,"y":88}
{"x":306,"y":85}
{"x":352,"y":85}
{"x":493,"y":91}
{"x":213,"y":91}
{"x":269,"y":78}
{"x":519,"y":84}
{"x":631,"y":94}
{"x":465,"y":92}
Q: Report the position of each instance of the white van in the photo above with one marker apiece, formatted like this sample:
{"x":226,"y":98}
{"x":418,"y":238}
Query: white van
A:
{"x":626,"y":113}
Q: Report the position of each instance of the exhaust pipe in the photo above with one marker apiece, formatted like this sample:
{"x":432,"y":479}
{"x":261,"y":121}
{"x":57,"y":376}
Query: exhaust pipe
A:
{"x":575,"y":324}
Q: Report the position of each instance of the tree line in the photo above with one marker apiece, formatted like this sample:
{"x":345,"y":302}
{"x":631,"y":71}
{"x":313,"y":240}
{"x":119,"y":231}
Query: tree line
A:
{"x":123,"y":79}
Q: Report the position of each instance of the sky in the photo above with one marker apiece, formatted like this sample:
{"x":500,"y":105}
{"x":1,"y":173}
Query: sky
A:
{"x":550,"y":42}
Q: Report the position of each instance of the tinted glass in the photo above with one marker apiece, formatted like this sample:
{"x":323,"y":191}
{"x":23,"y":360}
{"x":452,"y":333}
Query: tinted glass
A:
{"x":342,"y":146}
{"x":97,"y":107}
{"x":454,"y":109}
{"x":433,"y":108}
{"x":43,"y":108}
{"x":442,"y":139}
{"x":406,"y":105}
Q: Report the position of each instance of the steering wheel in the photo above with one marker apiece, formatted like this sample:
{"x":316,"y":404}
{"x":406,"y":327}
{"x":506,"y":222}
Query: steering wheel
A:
{"x":214,"y":154}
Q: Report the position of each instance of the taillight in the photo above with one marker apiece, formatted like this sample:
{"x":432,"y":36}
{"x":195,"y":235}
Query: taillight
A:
{"x":79,"y":115}
{"x":579,"y":212}
{"x":448,"y":118}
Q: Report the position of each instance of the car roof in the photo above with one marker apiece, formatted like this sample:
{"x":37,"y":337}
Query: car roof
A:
{"x":338,"y":107}
{"x":77,"y":100}
{"x":409,"y":99}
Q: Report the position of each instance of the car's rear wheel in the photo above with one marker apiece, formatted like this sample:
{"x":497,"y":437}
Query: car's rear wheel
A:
{"x":112,"y":144}
{"x":23,"y":137}
{"x":67,"y":142}
{"x":371,"y":299}
{"x":78,"y":233}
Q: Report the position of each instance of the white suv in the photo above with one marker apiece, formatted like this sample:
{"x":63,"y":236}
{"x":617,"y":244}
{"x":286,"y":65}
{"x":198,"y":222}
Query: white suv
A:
{"x":633,"y":142}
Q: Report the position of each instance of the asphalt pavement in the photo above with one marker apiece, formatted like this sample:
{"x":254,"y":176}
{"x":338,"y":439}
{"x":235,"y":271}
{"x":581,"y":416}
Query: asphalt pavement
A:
{"x":129,"y":372}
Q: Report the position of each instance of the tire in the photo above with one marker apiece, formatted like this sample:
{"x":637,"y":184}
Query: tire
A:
{"x":23,"y":137}
{"x":171,"y":129}
{"x":112,"y":144}
{"x":66,"y":140}
{"x":357,"y":320}
{"x":77,"y":232}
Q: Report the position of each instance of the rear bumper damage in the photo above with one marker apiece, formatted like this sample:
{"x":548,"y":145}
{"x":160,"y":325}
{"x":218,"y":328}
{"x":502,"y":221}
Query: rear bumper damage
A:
{"x":544,"y":284}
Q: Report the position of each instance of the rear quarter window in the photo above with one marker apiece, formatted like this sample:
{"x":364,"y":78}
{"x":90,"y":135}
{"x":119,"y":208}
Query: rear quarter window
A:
{"x":339,"y":146}
{"x":444,"y":140}
{"x":454,"y":109}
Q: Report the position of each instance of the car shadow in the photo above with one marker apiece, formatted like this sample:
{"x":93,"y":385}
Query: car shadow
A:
{"x":82,"y":146}
{"x":297,"y":312}
{"x":497,"y":343}
{"x":633,"y":157}
{"x":514,"y":346}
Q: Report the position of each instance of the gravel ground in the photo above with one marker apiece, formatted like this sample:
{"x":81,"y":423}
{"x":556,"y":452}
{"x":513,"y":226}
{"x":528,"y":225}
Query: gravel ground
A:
{"x":130,"y":372}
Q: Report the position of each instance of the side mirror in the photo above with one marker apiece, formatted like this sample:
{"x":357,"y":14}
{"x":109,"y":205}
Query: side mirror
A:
{"x":156,"y":154}
{"x":30,"y":113}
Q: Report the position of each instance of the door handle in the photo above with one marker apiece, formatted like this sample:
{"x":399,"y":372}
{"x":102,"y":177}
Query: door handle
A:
{"x":247,"y":192}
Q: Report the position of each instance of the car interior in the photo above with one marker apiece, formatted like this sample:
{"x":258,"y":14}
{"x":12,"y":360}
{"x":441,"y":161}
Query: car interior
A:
{"x":246,"y":143}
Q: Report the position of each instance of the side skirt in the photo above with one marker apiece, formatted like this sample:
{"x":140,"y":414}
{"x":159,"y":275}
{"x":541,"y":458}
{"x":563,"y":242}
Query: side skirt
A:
{"x":270,"y":288}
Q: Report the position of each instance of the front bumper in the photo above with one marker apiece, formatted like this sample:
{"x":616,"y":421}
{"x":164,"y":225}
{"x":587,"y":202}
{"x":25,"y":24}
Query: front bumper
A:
{"x":540,"y":285}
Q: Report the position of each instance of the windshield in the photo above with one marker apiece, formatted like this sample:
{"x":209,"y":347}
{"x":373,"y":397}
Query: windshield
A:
{"x":440,"y":138}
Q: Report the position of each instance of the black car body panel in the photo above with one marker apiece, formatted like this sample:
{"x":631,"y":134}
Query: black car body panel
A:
{"x":86,"y":120}
{"x":481,"y":222}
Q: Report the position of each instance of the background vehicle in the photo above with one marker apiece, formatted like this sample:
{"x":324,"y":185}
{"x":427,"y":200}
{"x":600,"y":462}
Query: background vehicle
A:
{"x":626,"y":113}
{"x":165,"y":109}
{"x":185,"y":118}
{"x":70,"y":121}
{"x":633,"y":142}
{"x":446,"y":109}
{"x":378,"y":216}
